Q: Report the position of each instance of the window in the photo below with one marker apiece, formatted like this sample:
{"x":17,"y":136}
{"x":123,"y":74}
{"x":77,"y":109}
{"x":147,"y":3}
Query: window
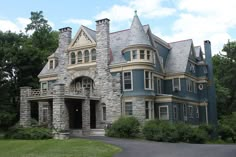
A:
{"x":185,"y":112}
{"x":127,"y":80}
{"x":142,"y":54}
{"x":45,"y":114}
{"x":51,"y":64}
{"x":176,"y":84}
{"x":44,"y":85}
{"x":86,"y":56}
{"x":93,"y":55}
{"x":72,"y":58}
{"x":197,"y":112}
{"x":148,"y":79}
{"x":163,"y":113}
{"x":190,"y":111}
{"x":86,"y":83}
{"x":159,"y":86}
{"x":149,"y":111}
{"x":148,"y":55}
{"x":134,"y":54}
{"x":128,"y":108}
{"x":175,"y":112}
{"x":190,"y":85}
{"x":80,"y":58}
{"x":104,"y":117}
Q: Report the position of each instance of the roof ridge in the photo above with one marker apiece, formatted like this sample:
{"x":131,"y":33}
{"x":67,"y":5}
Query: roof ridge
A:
{"x":125,"y":29}
{"x":88,"y":28}
{"x":179,"y":41}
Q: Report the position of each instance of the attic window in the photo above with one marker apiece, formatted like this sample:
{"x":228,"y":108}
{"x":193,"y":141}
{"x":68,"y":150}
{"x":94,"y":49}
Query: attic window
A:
{"x":51,"y":64}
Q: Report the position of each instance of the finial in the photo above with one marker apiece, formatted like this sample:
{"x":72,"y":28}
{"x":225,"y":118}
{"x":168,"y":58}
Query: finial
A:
{"x":135,"y":12}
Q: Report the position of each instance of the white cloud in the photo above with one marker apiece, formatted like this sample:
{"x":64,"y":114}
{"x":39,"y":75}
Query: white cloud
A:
{"x":6,"y":25}
{"x":79,"y":21}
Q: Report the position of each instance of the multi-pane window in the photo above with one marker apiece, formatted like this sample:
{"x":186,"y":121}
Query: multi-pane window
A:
{"x":197,"y":112}
{"x":190,"y":111}
{"x":128,"y":108}
{"x":79,"y":57}
{"x":191,"y":85}
{"x":142,"y":54}
{"x":148,"y":80}
{"x":127,"y":80}
{"x":175,"y":112}
{"x":176,"y":84}
{"x":44,"y":85}
{"x":149,"y":109}
{"x":134,"y":54}
{"x":51,"y":64}
{"x":45,"y":114}
{"x":86,"y":56}
{"x":93,"y":53}
{"x":72,"y":58}
{"x":163,"y":113}
{"x":86,"y":83}
{"x":148,"y":55}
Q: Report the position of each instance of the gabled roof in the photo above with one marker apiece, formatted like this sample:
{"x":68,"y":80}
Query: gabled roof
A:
{"x":137,"y":35}
{"x":178,"y":57}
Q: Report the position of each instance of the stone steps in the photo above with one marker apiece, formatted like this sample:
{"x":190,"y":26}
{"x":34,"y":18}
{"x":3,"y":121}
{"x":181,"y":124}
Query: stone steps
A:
{"x":97,"y":132}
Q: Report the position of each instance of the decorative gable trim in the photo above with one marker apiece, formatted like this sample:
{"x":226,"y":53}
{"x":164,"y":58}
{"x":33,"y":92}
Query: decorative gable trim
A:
{"x":81,"y":39}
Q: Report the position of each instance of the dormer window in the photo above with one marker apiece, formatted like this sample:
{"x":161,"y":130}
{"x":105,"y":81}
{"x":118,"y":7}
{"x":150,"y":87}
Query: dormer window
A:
{"x":93,"y":55}
{"x":51,"y":64}
{"x":72,"y":58}
{"x":86,"y":56}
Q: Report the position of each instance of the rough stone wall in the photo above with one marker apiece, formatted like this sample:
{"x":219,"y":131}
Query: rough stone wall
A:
{"x":86,"y":115}
{"x":104,"y":81}
{"x":25,"y":108}
{"x":60,"y":111}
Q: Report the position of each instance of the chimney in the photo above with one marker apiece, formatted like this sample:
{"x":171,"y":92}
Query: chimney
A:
{"x":103,"y":44}
{"x":212,"y":112}
{"x":64,"y":37}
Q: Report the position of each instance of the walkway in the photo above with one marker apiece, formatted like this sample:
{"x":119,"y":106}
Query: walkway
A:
{"x":142,"y":148}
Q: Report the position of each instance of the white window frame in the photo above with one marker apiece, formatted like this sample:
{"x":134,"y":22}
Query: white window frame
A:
{"x":150,"y":80}
{"x":179,"y":85}
{"x":144,"y":54}
{"x":46,"y":84}
{"x":150,"y":109}
{"x":123,"y":78}
{"x":49,"y":64}
{"x":197,"y":111}
{"x":73,"y":59}
{"x":175,"y":112}
{"x":132,"y":52}
{"x":132,"y":113}
{"x":164,"y":106}
{"x":95,"y":56}
{"x":86,"y":56}
{"x":190,"y":111}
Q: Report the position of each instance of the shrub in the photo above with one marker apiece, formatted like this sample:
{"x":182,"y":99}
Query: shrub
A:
{"x":29,"y":133}
{"x":225,"y":132}
{"x":198,"y":136}
{"x":160,"y":131}
{"x":184,"y":131}
{"x":126,"y":127}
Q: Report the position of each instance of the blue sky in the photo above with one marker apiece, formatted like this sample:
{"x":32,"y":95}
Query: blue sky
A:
{"x":172,"y":20}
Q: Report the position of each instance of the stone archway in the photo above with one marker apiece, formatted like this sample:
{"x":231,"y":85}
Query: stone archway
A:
{"x":81,"y":83}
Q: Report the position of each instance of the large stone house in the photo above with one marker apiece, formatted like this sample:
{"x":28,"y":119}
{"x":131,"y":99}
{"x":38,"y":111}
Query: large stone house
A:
{"x":98,"y":76}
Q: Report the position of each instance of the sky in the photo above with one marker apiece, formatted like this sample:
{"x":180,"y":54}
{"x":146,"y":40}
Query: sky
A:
{"x":171,"y":20}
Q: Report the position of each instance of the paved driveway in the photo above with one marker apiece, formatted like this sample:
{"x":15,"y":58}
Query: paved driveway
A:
{"x":141,"y":148}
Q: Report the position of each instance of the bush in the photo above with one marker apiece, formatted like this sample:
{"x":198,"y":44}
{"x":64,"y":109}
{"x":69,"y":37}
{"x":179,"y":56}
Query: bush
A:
{"x":198,"y":136}
{"x":184,"y":131}
{"x":160,"y":131}
{"x":33,"y":133}
{"x":126,"y":127}
{"x":225,"y":132}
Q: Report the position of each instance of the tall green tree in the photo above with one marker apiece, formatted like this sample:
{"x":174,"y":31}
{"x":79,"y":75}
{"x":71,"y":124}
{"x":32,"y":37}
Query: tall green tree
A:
{"x":225,"y":75}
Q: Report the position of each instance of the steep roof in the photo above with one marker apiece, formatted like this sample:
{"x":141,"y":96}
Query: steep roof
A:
{"x":91,"y":32}
{"x":178,"y":57}
{"x":137,"y":34}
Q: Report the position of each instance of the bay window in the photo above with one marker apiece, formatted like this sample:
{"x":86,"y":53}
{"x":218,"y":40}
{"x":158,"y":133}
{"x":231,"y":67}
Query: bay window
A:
{"x":127,"y":80}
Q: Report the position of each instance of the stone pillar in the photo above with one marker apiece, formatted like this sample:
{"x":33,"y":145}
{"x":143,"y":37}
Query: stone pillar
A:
{"x":86,"y":115}
{"x":25,"y":109}
{"x":139,"y":109}
{"x":60,"y":111}
{"x":45,"y":106}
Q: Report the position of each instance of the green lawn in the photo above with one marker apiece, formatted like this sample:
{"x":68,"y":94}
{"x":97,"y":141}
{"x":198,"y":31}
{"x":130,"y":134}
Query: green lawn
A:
{"x":56,"y":148}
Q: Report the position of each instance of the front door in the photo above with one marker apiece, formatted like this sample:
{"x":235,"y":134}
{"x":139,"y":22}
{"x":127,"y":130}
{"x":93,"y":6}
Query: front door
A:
{"x":75,"y":113}
{"x":92,"y":115}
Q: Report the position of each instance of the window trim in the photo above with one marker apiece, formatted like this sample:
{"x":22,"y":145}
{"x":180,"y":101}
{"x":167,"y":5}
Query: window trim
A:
{"x":190,"y":112}
{"x":131,"y":75}
{"x":150,"y":82}
{"x":92,"y":52}
{"x":86,"y":57}
{"x":125,"y":108}
{"x":74,"y":59}
{"x":179,"y":85}
{"x":150,"y":109}
{"x":164,"y":106}
{"x":80,"y":57}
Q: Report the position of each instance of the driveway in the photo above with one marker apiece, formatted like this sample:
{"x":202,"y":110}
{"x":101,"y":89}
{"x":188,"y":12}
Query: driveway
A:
{"x":142,"y":148}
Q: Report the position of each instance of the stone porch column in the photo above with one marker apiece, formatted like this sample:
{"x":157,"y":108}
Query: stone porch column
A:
{"x":86,"y":114}
{"x":45,"y":107}
{"x":60,"y":111}
{"x":25,"y":108}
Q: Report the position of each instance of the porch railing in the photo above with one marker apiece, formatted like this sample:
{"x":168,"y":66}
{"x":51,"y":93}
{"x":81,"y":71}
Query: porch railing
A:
{"x":39,"y":92}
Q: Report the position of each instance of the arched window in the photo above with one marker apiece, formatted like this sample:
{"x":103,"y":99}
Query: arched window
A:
{"x":79,"y":59}
{"x":93,"y":55}
{"x":72,"y":58}
{"x":86,"y":56}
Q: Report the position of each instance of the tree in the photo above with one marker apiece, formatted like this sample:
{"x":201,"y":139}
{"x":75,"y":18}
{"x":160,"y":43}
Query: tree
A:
{"x":225,"y":74}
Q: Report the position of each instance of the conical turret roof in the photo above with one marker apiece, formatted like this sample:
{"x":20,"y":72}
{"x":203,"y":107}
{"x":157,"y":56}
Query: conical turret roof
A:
{"x":137,"y":34}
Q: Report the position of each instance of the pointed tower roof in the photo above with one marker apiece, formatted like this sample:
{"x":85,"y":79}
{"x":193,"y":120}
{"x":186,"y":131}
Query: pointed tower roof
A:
{"x":137,"y":35}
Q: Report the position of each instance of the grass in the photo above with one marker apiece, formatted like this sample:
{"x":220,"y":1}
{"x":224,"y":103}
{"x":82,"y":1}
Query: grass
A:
{"x":56,"y":148}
